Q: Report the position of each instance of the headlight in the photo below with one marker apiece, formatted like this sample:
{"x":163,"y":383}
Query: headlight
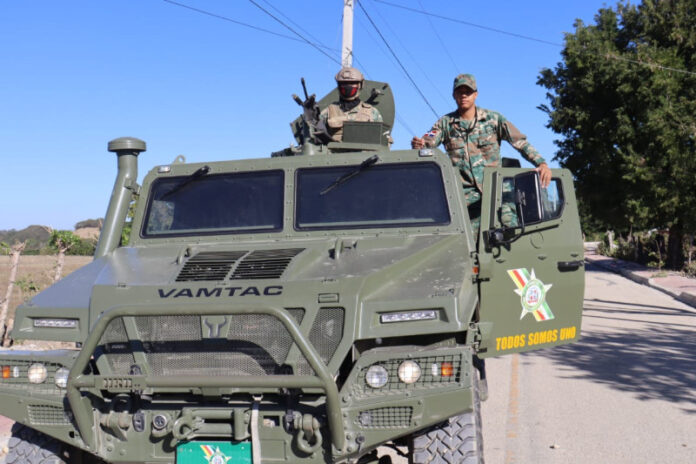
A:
{"x":37,"y":373}
{"x":61,"y":377}
{"x":376,"y":376}
{"x":56,"y":323}
{"x":409,"y":372}
{"x":409,"y":316}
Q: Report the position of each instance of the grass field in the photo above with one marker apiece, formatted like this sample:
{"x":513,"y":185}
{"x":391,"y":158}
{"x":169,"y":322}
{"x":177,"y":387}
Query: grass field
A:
{"x":35,"y":273}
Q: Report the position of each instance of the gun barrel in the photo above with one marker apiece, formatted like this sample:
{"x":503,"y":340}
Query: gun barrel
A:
{"x":304,"y":88}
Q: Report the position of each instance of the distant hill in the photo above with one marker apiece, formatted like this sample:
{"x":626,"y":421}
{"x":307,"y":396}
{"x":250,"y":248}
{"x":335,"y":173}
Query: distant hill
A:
{"x":36,"y":236}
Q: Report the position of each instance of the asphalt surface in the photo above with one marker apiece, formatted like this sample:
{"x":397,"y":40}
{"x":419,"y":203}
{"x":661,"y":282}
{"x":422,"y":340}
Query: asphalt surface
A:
{"x":672,"y":283}
{"x":624,"y":393}
{"x":646,"y":392}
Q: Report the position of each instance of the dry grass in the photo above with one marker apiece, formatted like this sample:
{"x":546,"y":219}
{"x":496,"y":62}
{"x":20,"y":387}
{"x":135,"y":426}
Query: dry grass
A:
{"x":34,"y":271}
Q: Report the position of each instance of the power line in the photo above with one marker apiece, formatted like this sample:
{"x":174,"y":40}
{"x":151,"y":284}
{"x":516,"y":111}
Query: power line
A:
{"x":309,"y":34}
{"x":295,"y":32}
{"x":417,"y":62}
{"x":534,"y":39}
{"x":225,"y":18}
{"x":302,"y":39}
{"x":397,"y":59}
{"x":444,"y":47}
{"x":250,"y":26}
{"x":487,"y":28}
{"x":645,"y":63}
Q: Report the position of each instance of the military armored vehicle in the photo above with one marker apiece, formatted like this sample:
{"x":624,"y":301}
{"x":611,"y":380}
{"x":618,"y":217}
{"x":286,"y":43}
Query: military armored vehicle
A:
{"x":305,"y":309}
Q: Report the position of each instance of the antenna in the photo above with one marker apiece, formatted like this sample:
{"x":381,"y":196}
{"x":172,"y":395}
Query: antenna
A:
{"x":347,"y":48}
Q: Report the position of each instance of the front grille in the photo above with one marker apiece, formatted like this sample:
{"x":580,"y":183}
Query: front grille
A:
{"x":200,"y":345}
{"x":209,"y":266}
{"x":264,"y":264}
{"x":390,"y":417}
{"x":43,"y":414}
{"x":326,"y":334}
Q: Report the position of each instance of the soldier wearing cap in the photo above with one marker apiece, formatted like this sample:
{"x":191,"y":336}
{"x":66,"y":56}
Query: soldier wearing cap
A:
{"x":472,"y":137}
{"x":349,"y":107}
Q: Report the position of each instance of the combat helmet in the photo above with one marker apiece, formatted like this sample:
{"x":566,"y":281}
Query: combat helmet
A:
{"x":349,"y":81}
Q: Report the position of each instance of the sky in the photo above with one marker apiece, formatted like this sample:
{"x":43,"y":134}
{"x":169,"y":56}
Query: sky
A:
{"x":217,"y":85}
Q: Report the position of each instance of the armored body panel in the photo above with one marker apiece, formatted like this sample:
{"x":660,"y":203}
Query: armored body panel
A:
{"x":295,"y":309}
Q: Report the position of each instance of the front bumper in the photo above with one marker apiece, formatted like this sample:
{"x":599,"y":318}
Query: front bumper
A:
{"x":106,"y":415}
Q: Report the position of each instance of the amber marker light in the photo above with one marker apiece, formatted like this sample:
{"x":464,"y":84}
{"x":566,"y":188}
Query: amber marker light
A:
{"x":5,"y":372}
{"x":447,"y":369}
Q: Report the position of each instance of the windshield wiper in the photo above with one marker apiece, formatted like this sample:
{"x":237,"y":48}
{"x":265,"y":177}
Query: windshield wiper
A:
{"x":200,"y":172}
{"x":369,"y":162}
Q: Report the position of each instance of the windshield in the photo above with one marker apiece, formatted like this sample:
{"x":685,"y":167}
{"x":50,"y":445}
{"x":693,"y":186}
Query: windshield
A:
{"x":215,"y":204}
{"x":388,"y":195}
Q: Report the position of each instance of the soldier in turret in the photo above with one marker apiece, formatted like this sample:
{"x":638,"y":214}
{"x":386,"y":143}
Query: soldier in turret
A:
{"x":349,"y":107}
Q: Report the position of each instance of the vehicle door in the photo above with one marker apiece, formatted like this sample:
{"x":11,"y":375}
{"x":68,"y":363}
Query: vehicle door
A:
{"x":531,"y":264}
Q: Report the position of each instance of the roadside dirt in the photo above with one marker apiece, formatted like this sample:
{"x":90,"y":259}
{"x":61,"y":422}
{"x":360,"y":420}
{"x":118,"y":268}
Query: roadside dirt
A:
{"x":35,"y":273}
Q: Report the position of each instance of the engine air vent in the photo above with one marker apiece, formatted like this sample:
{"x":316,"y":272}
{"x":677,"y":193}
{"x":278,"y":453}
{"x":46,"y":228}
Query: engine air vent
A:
{"x":264,"y":264}
{"x":209,"y":265}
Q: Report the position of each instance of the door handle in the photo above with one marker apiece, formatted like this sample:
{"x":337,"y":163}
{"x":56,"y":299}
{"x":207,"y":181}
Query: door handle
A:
{"x":565,"y":266}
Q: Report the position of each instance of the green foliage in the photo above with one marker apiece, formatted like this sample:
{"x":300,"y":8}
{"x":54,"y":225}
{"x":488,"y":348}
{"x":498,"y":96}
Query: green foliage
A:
{"x":128,"y":226}
{"x":28,"y":286}
{"x":627,"y":123}
{"x":648,"y":248}
{"x":85,"y":247}
{"x":690,"y":269}
{"x":63,"y":240}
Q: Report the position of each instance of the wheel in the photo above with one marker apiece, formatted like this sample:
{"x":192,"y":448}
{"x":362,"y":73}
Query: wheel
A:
{"x":457,"y":441}
{"x":28,"y":446}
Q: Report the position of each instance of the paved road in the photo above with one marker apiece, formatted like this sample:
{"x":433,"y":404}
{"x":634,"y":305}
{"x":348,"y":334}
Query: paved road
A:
{"x":626,"y":393}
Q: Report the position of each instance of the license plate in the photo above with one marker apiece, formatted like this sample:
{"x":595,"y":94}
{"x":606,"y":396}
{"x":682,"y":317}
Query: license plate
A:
{"x":213,"y":452}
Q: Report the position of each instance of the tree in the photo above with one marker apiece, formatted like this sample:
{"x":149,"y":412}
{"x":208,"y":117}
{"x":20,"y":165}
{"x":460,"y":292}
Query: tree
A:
{"x":62,"y":241}
{"x":14,"y":251}
{"x":624,"y":101}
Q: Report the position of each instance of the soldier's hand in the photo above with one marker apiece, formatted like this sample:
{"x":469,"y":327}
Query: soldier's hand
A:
{"x":544,"y":174}
{"x":417,"y":142}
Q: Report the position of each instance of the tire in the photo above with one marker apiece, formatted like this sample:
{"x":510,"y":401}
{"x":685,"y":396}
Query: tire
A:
{"x":457,"y":441}
{"x":28,"y":446}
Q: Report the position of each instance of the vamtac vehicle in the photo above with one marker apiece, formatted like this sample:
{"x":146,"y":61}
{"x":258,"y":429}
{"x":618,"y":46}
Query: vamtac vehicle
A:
{"x":303,"y":309}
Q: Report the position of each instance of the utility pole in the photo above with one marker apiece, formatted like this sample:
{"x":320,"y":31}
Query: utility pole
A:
{"x":347,"y":48}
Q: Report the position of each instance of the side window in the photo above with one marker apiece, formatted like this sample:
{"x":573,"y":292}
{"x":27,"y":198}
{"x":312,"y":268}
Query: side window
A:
{"x":550,"y":200}
{"x":508,"y":210}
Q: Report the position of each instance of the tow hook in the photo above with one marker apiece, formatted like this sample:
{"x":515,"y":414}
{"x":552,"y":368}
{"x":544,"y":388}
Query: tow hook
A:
{"x":185,"y":426}
{"x":308,"y":436}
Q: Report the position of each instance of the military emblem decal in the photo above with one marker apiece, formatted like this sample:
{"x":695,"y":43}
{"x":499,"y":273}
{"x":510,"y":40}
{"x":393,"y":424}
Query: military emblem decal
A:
{"x":532,"y":292}
{"x":214,"y":455}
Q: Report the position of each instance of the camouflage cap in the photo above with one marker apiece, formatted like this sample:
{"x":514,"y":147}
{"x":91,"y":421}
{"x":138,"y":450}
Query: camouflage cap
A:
{"x":465,"y":79}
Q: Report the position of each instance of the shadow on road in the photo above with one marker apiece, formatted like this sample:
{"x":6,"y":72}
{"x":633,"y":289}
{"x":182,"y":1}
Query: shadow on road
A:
{"x":658,"y":362}
{"x":599,"y":304}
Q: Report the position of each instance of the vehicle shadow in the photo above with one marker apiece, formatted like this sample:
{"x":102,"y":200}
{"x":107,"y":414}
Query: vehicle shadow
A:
{"x":657,"y":361}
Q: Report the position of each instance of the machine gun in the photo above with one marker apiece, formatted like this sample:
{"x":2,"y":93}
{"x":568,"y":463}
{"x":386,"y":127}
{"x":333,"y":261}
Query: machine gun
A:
{"x":314,"y":130}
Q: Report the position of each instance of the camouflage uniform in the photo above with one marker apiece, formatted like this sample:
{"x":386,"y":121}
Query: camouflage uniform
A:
{"x":473,"y":145}
{"x":334,"y":117}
